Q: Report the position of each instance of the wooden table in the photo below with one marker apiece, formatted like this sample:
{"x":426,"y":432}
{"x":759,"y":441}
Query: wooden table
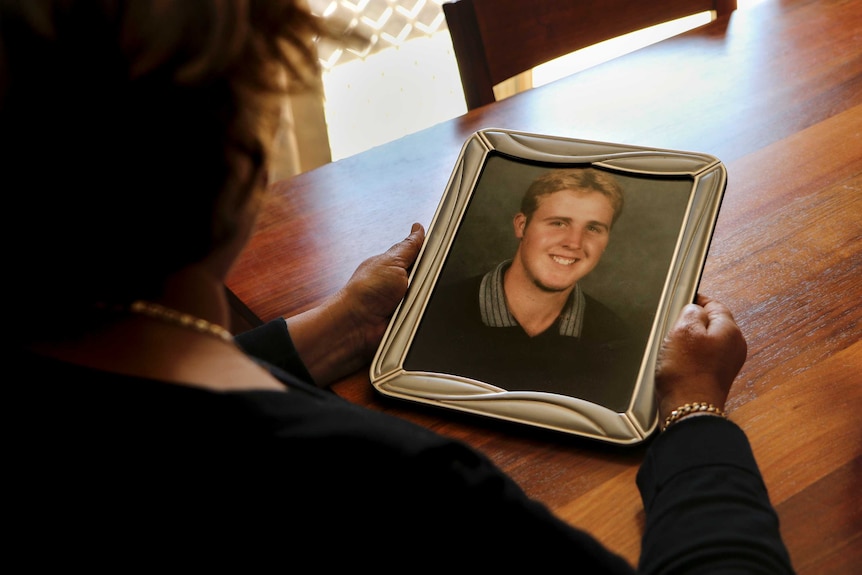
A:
{"x":775,"y":91}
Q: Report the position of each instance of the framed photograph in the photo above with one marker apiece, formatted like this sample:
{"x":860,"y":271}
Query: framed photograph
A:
{"x":551,"y":271}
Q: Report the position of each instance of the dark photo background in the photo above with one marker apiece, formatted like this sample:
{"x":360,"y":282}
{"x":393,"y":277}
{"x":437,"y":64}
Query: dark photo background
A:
{"x":632,"y":273}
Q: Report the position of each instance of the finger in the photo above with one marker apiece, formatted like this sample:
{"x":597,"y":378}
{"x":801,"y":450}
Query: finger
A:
{"x":702,"y":299}
{"x":693,"y":314}
{"x":718,"y":315}
{"x":404,"y":253}
{"x":415,"y":237}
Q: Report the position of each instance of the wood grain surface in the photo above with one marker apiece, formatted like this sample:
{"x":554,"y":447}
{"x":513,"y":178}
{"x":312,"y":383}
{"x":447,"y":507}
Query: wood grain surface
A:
{"x":775,"y":92}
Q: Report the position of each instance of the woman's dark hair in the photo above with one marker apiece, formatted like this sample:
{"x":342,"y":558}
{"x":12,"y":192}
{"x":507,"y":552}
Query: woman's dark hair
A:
{"x":131,"y":132}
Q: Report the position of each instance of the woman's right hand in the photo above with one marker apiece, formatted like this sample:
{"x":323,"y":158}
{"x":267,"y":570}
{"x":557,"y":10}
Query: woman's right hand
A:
{"x":700,"y":357}
{"x":342,"y":334}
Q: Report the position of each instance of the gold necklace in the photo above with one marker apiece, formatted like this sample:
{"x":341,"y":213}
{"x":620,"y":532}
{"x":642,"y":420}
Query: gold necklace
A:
{"x":181,"y":319}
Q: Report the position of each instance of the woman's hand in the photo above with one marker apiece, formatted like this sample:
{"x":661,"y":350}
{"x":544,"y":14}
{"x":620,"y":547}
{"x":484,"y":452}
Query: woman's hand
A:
{"x":377,"y":287}
{"x":700,"y":357}
{"x":342,"y":334}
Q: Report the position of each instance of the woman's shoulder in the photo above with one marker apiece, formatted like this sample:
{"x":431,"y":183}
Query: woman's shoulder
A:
{"x":61,"y":399}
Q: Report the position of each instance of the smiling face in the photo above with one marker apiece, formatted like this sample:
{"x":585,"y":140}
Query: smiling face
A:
{"x":564,"y":238}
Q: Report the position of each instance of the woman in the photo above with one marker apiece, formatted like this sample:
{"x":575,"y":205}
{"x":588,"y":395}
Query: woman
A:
{"x":135,"y":140}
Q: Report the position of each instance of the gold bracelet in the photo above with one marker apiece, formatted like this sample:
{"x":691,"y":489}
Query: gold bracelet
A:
{"x":692,"y":408}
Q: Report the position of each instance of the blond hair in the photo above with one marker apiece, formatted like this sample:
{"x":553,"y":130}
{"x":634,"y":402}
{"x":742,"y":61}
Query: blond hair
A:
{"x":573,"y":179}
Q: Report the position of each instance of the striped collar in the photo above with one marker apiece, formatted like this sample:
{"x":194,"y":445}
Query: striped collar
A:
{"x":495,"y":312}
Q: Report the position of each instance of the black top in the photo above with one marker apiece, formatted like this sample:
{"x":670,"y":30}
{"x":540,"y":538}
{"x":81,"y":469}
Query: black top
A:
{"x":107,"y":471}
{"x":599,"y":366}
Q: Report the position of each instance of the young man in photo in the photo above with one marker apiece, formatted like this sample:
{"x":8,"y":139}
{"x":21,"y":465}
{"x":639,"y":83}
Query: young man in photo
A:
{"x":527,"y":324}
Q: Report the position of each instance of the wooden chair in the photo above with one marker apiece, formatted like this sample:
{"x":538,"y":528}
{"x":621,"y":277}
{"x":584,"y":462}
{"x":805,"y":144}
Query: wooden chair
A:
{"x":495,"y":40}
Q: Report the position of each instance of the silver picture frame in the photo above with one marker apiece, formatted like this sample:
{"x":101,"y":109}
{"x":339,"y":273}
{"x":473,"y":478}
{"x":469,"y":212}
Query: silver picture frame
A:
{"x":650,"y":270}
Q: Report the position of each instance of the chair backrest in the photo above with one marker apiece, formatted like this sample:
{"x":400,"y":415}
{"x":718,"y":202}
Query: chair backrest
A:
{"x":495,"y":40}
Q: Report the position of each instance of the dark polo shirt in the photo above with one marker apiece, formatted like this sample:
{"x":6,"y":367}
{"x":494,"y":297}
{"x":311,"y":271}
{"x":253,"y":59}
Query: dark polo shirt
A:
{"x":587,"y":353}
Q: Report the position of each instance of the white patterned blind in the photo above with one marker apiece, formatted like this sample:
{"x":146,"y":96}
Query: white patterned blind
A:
{"x":386,"y":23}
